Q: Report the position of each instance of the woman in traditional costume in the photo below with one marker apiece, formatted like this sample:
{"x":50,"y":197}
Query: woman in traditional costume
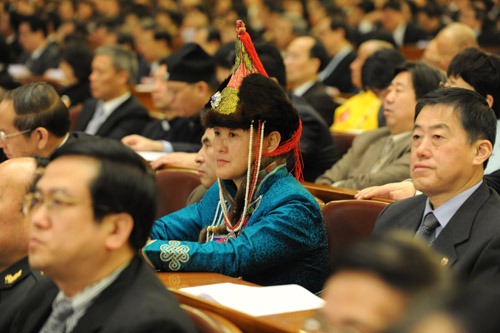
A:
{"x":257,"y":221}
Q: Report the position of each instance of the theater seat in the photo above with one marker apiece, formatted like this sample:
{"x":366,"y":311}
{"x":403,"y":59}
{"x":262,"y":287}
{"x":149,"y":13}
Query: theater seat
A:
{"x":348,"y":221}
{"x":343,"y":141}
{"x":209,"y":322}
{"x":174,"y":187}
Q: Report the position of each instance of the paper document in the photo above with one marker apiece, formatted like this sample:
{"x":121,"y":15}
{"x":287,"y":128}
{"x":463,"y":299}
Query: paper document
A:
{"x":150,"y":155}
{"x":259,"y":301}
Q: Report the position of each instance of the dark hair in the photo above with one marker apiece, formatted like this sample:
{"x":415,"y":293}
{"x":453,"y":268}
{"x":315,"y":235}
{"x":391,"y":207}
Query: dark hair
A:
{"x":79,"y":56}
{"x":164,"y":36}
{"x":424,"y":77}
{"x":35,"y":23}
{"x":260,"y":98}
{"x":432,"y":9}
{"x":271,"y":59}
{"x":125,"y":183}
{"x":481,"y":70}
{"x":39,"y":105}
{"x":378,"y":70}
{"x":392,"y":4}
{"x":475,"y":116}
{"x":403,"y":262}
{"x":318,"y":51}
{"x":225,"y":55}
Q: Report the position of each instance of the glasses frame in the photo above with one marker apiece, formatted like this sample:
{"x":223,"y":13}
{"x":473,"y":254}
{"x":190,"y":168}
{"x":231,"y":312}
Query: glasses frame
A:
{"x":49,"y":202}
{"x":4,"y":137}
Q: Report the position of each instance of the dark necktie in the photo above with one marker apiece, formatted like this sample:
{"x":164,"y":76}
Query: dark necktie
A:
{"x":56,"y":323}
{"x":428,"y":230}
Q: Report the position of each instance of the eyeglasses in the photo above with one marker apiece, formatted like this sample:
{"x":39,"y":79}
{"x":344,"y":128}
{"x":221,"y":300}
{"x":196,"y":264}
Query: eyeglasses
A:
{"x":33,"y":201}
{"x":4,"y":136}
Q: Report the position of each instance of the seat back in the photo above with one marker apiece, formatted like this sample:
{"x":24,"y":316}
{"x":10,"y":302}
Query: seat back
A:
{"x":348,"y":221}
{"x":209,"y":322}
{"x":343,"y":141}
{"x":174,"y":188}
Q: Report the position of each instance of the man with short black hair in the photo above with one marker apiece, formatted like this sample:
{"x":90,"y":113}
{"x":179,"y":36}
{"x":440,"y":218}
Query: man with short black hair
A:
{"x":39,"y":54}
{"x":33,"y":121}
{"x":305,"y":57}
{"x":91,"y":212}
{"x":458,"y":214}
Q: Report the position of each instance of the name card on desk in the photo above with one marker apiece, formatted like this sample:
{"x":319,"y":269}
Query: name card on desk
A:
{"x":258,"y":301}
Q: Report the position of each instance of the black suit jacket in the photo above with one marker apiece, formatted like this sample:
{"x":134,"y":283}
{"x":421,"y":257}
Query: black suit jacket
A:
{"x":319,"y":151}
{"x":135,"y":302}
{"x":183,"y":133}
{"x":130,"y":117}
{"x":470,"y":242}
{"x":321,"y":101}
{"x":15,"y":282}
{"x":413,"y":34}
{"x":341,"y":75}
{"x":50,"y":58}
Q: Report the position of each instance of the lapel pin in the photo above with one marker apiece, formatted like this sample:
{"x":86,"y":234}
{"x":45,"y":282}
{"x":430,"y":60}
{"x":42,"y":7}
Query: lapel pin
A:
{"x":444,"y":261}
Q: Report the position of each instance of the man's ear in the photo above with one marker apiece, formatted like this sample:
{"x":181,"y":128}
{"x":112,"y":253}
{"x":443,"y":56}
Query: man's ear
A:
{"x":483,"y":151}
{"x":124,"y":77}
{"x":490,"y":100}
{"x":118,"y":228}
{"x":272,"y":141}
{"x":41,"y":135}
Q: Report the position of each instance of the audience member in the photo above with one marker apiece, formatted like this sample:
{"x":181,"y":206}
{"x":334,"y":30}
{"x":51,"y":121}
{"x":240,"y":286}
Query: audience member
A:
{"x":305,"y":57}
{"x":376,"y":281}
{"x":280,"y":250}
{"x":208,"y":38}
{"x":153,"y":45}
{"x":379,"y":156}
{"x":113,"y":111}
{"x":94,"y":278}
{"x":333,"y":35}
{"x":395,"y":22}
{"x":16,"y":276}
{"x":448,"y":43}
{"x":287,"y":27}
{"x":360,"y":111}
{"x":457,"y":213}
{"x":205,"y":160}
{"x":76,"y":62}
{"x":33,"y":121}
{"x":39,"y":53}
{"x":191,"y":82}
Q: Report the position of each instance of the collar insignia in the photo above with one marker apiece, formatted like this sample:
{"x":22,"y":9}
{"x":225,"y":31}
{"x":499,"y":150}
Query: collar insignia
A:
{"x":10,"y":279}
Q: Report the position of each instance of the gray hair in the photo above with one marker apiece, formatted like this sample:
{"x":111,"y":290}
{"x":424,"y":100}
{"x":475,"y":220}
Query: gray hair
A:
{"x":123,"y":59}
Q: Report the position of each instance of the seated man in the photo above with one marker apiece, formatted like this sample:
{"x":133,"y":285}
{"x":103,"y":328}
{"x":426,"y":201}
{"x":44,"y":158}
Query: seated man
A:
{"x":458,"y":214}
{"x":34,"y":121}
{"x":16,"y":276}
{"x":376,"y":281}
{"x":305,"y":57}
{"x":190,"y":80}
{"x":383,"y":155}
{"x":95,"y":279}
{"x":113,"y":112}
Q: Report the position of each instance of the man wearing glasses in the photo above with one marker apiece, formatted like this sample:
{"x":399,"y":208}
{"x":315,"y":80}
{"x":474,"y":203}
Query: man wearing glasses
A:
{"x":90,"y":214}
{"x":33,"y":121}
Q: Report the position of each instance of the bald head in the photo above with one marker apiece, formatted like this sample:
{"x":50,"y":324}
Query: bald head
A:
{"x":16,"y":176}
{"x":365,"y":50}
{"x":452,"y":39}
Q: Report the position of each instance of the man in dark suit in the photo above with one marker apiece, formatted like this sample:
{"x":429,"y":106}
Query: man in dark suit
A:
{"x":16,"y":276}
{"x":394,"y":22}
{"x":337,"y":73}
{"x":305,"y":57}
{"x":33,"y":121}
{"x":113,"y":112}
{"x":39,"y":53}
{"x":458,"y":214}
{"x":91,"y":212}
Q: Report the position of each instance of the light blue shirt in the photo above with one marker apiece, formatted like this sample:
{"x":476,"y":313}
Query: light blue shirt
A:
{"x":445,"y":212}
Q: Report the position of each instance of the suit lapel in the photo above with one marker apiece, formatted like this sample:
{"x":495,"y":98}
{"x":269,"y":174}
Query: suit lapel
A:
{"x":103,"y":306}
{"x":41,"y":308}
{"x":84,"y":117}
{"x":414,"y":216}
{"x":459,"y":227}
{"x":117,"y":113}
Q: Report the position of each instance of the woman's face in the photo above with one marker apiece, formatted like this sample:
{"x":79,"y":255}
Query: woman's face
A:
{"x":231,"y":153}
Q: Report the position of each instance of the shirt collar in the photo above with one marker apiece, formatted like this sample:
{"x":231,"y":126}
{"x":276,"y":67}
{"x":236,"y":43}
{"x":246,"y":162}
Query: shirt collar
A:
{"x":300,"y":90}
{"x":112,"y":104}
{"x":38,"y":52}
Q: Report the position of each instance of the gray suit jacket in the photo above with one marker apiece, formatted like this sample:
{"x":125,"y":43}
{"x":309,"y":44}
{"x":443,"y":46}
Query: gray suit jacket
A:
{"x":470,"y":242}
{"x":356,"y":165}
